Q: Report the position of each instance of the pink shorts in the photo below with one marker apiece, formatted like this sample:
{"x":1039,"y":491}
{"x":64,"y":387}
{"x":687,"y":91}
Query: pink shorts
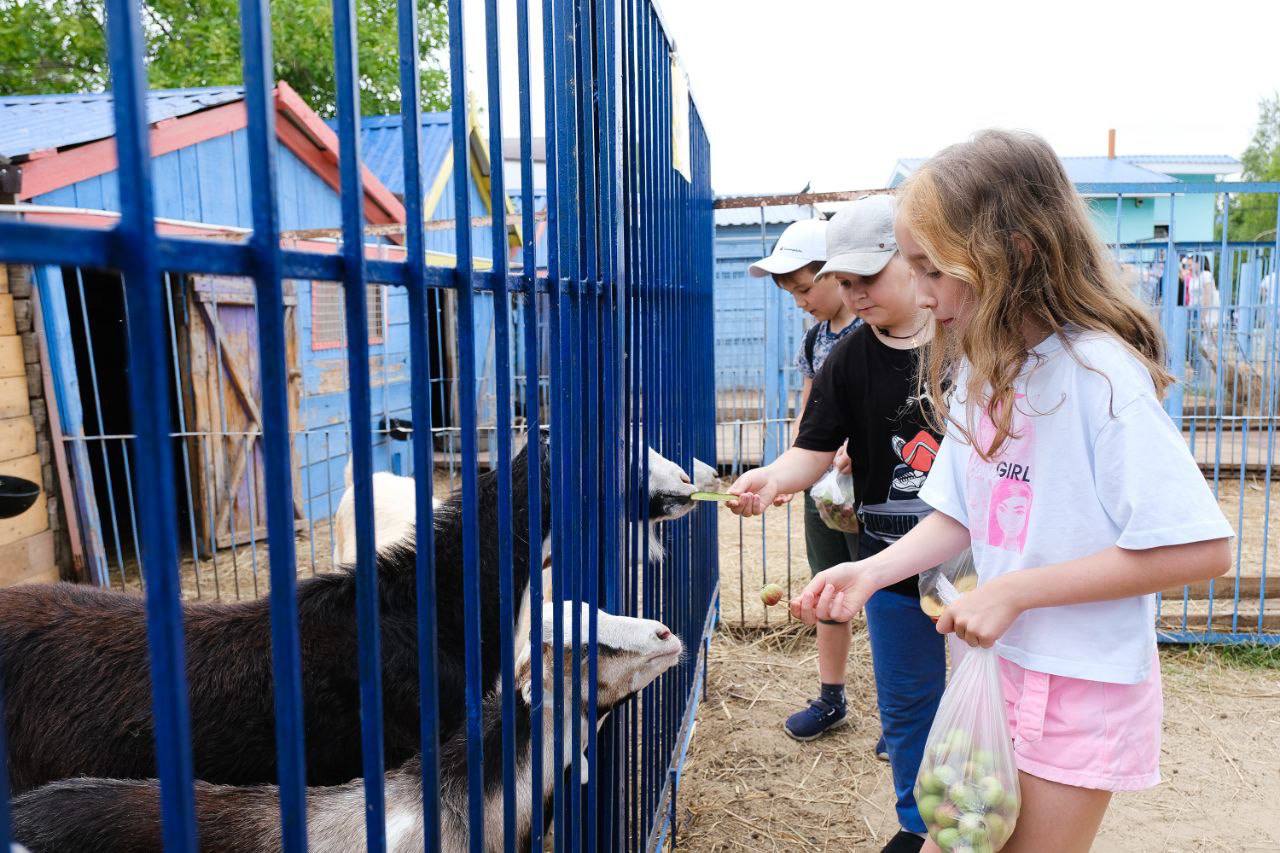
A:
{"x":1090,"y":734}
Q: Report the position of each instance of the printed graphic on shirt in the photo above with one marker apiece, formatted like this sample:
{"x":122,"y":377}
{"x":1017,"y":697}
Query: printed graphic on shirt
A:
{"x":903,"y":508}
{"x":1001,"y":491}
{"x":917,"y":457}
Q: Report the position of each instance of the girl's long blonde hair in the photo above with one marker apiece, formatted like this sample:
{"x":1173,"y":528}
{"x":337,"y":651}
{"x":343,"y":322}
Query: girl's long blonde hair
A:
{"x":999,"y":213}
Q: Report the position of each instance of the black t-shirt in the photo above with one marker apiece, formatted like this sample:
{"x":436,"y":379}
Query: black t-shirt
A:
{"x":866,"y":393}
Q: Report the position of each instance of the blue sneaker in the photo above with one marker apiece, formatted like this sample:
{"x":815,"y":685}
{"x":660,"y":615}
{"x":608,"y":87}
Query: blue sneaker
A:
{"x":816,"y":720}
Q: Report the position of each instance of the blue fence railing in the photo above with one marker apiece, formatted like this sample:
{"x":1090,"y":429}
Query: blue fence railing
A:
{"x":626,"y":302}
{"x":1218,"y":303}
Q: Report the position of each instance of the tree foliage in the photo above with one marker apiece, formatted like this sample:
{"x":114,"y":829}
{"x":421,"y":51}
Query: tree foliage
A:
{"x":60,"y":46}
{"x":1253,"y":215}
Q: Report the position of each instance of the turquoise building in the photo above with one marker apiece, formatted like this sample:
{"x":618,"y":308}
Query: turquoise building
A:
{"x":1141,"y":218}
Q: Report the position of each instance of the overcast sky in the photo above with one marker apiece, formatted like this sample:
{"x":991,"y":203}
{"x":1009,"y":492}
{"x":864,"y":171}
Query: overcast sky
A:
{"x":833,"y":92}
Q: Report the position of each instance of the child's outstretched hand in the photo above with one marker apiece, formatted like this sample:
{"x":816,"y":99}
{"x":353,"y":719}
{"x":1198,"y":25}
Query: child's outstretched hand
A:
{"x":756,"y":491}
{"x":834,"y":595}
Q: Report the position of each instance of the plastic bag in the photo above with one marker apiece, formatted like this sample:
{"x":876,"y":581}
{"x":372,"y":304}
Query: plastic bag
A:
{"x":959,"y":571}
{"x":833,"y":495}
{"x":967,"y":789}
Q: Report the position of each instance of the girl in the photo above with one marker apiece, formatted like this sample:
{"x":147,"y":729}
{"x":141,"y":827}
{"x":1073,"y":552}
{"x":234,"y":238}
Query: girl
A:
{"x":864,"y":395}
{"x":1055,"y":375}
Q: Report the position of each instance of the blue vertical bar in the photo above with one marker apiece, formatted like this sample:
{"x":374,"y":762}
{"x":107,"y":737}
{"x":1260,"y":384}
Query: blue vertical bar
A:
{"x":533,"y":370}
{"x":553,"y":58}
{"x":502,"y":402}
{"x":255,"y":25}
{"x":135,"y":245}
{"x":467,"y":410}
{"x":420,"y":403}
{"x":1175,"y":323}
{"x":355,"y":303}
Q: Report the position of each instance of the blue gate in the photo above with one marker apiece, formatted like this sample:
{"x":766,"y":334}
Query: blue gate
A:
{"x":627,"y":304}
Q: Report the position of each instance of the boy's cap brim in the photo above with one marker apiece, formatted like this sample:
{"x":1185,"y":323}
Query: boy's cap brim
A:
{"x":858,"y":263}
{"x":777,"y":264}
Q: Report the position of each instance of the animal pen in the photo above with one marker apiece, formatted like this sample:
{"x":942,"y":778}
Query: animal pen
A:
{"x":1225,"y":354}
{"x":210,"y":454}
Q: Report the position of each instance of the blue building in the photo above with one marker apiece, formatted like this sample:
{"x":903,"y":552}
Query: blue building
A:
{"x":63,"y":148}
{"x":1141,"y":218}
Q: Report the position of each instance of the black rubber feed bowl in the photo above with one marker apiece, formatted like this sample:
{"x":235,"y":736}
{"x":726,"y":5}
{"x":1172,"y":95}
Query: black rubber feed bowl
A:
{"x":16,"y":495}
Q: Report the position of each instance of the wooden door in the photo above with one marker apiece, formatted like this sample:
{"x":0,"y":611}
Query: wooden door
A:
{"x":218,"y":343}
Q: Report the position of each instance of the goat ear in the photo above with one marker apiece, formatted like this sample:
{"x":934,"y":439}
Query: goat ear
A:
{"x":522,"y":669}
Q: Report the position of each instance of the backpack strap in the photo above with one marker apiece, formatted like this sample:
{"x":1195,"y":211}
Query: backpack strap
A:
{"x":810,"y":341}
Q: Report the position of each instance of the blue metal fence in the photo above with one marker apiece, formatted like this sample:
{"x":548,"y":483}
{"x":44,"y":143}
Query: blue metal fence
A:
{"x":1219,"y":306}
{"x":628,"y":304}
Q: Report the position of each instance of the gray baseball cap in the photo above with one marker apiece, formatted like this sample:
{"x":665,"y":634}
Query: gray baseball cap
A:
{"x":860,"y":238}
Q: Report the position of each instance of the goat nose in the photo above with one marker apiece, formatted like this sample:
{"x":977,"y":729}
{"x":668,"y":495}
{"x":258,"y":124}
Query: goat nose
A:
{"x":662,"y":632}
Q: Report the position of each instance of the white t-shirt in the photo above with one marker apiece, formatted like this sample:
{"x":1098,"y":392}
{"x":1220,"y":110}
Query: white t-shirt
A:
{"x":1096,"y":462}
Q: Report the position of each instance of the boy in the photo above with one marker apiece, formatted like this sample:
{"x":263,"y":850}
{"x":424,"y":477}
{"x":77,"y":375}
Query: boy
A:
{"x":798,"y":256}
{"x":864,"y":398}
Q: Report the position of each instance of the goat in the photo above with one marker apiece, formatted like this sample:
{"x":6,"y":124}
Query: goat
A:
{"x":114,"y":816}
{"x":395,"y":503}
{"x":78,"y":696}
{"x":394,"y":514}
{"x":75,"y":670}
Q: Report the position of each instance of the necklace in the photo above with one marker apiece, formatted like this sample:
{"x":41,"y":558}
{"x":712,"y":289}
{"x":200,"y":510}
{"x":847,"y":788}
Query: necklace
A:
{"x":886,"y":333}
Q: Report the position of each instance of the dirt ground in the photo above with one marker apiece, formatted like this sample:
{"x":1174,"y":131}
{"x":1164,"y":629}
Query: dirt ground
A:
{"x":748,"y":786}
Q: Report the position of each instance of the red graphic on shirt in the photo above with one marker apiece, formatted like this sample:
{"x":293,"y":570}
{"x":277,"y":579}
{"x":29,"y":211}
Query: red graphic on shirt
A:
{"x":920,"y":452}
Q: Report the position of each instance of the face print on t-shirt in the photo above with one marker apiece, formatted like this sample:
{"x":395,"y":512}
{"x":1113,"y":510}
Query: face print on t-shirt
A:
{"x":1000,"y":492}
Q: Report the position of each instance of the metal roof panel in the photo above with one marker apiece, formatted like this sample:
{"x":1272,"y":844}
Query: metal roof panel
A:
{"x":31,"y":123}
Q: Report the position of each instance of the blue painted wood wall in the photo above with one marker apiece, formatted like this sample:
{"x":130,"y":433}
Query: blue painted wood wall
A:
{"x":208,"y":183}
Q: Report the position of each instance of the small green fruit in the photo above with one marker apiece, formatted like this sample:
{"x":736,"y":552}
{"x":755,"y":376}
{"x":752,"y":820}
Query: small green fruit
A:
{"x":984,"y":758}
{"x":946,"y":816}
{"x":928,"y":783}
{"x":771,"y":594}
{"x":997,"y":829}
{"x":991,"y":791}
{"x":928,"y":805}
{"x":946,"y":775}
{"x":965,"y":797}
{"x":959,"y":740}
{"x":947,"y":839}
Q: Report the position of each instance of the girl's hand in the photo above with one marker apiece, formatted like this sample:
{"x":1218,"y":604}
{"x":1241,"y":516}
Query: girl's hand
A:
{"x":756,"y":491}
{"x":981,"y":616}
{"x":834,"y":595}
{"x":783,"y":500}
{"x":842,"y":461}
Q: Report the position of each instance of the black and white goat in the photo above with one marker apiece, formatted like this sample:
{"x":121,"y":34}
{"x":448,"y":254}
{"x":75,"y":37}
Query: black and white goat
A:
{"x":114,"y":816}
{"x":395,"y":505}
{"x":76,"y":673}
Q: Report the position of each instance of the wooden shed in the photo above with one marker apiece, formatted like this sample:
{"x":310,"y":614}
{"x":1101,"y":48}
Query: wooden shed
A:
{"x":63,"y":149}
